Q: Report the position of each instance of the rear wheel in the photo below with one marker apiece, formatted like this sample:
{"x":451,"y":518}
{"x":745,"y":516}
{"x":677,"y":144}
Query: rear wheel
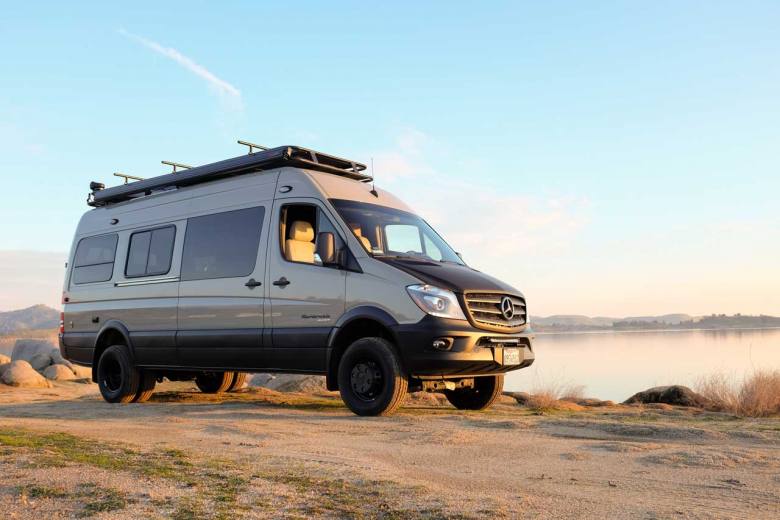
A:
{"x":484,"y":393}
{"x":117,"y":378}
{"x":370,"y":378}
{"x":214,"y":382}
{"x":239,"y":379}
{"x":145,"y":387}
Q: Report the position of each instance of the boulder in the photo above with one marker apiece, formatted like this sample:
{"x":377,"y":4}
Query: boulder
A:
{"x":4,"y":359}
{"x":39,"y":353}
{"x":676,"y":395}
{"x":289,"y":382}
{"x":21,"y":373}
{"x":82,"y":372}
{"x":522,"y":398}
{"x":58,"y":373}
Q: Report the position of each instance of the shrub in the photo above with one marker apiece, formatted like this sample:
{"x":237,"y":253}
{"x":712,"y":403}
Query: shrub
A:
{"x":757,"y":395}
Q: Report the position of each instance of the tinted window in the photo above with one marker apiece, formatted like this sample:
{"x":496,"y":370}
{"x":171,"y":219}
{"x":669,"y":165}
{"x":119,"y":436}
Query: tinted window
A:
{"x":94,"y":259}
{"x":138,"y":253}
{"x":150,"y":252}
{"x":223,"y":245}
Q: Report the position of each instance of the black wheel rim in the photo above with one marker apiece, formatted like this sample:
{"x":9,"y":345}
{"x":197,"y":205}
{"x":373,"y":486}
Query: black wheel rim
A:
{"x":112,"y":374}
{"x":366,"y":380}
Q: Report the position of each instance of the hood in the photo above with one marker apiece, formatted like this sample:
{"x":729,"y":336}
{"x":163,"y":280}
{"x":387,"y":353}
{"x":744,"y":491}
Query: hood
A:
{"x":456,"y":278}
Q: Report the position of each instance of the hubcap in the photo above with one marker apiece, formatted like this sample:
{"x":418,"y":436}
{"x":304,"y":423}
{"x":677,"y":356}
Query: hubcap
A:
{"x":366,"y":380}
{"x":112,"y":375}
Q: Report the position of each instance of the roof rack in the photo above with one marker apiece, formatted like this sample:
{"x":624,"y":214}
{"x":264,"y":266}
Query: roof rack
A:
{"x":262,"y":160}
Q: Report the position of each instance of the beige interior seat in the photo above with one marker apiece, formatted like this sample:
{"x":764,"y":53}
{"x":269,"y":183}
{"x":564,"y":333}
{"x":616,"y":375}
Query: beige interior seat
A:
{"x":358,"y":233}
{"x":299,"y":247}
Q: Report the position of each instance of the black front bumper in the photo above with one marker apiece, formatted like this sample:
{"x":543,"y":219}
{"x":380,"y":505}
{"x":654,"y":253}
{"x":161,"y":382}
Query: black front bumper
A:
{"x":473,"y":352}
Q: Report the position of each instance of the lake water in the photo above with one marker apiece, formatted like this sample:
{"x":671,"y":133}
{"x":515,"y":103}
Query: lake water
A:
{"x":615,"y":365}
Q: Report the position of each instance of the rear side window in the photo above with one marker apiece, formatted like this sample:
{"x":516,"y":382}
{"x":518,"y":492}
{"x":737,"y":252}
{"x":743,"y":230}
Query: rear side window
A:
{"x":150,"y":252}
{"x":222,"y":245}
{"x":94,"y":259}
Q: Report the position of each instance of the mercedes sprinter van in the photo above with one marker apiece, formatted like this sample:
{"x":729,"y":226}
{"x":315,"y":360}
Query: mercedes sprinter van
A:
{"x":282,"y":260}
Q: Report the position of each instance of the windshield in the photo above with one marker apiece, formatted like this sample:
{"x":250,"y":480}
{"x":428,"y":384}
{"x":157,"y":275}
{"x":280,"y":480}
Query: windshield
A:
{"x":386,"y":231}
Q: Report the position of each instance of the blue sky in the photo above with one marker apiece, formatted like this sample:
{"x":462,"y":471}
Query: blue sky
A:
{"x":634,"y":146}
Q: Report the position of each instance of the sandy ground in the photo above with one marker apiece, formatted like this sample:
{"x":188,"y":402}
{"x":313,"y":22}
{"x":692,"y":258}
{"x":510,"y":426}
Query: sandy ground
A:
{"x":66,"y":453}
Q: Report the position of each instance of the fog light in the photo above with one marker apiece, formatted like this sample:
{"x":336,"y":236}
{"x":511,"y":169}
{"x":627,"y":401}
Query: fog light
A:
{"x":442,"y":343}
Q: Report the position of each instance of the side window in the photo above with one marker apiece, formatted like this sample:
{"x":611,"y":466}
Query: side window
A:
{"x":308,"y":236}
{"x":403,"y":238}
{"x":222,"y":245}
{"x":94,"y":259}
{"x":150,"y":252}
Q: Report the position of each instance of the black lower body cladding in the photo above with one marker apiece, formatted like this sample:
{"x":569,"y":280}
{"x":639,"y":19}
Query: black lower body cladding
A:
{"x":470,"y":352}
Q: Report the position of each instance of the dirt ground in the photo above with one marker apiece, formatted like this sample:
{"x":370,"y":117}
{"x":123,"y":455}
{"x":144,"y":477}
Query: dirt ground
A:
{"x":260,"y":454}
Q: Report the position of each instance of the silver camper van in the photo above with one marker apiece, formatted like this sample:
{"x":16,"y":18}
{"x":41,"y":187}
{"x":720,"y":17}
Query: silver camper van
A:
{"x":282,"y":260}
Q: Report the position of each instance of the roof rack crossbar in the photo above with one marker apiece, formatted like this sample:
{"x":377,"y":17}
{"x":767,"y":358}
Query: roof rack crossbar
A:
{"x":267,"y":159}
{"x":177,"y":166}
{"x":251,"y":146}
{"x":127,"y":177}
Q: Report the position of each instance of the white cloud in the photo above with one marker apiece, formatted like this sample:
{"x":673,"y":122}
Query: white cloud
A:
{"x":222,"y":87}
{"x":489,"y":222}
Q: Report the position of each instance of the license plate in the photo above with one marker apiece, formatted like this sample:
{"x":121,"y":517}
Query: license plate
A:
{"x":511,"y":356}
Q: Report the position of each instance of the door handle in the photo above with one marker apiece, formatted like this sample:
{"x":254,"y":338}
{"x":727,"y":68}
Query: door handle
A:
{"x":282,"y":282}
{"x":252,"y":283}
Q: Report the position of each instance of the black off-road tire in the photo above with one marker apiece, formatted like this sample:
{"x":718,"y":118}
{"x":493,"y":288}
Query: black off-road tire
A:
{"x":238,"y":381}
{"x":117,"y":378}
{"x":370,"y":378}
{"x":214,"y":382}
{"x":485,"y":392}
{"x":145,"y":387}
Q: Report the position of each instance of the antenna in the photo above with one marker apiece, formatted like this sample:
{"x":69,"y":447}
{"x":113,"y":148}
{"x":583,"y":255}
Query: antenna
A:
{"x":373,"y":182}
{"x":177,"y":166}
{"x":251,"y":146}
{"x":127,"y":177}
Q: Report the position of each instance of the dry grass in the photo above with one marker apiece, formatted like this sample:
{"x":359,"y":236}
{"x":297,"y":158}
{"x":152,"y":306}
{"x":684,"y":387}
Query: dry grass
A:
{"x":555,"y":396}
{"x":757,"y":395}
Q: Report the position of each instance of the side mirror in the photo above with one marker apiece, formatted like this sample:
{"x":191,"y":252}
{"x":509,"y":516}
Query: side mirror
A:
{"x":459,"y":255}
{"x":326,"y":248}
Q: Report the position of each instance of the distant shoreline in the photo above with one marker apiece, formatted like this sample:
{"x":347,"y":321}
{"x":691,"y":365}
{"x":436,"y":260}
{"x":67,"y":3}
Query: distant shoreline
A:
{"x":634,"y":331}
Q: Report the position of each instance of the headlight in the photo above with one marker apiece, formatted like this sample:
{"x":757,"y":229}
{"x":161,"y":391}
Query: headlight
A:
{"x":436,"y":302}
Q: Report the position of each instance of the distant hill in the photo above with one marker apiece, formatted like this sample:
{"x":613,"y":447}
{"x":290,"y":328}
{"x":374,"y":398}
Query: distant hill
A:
{"x":35,"y":317}
{"x":577,"y":323}
{"x":572,"y":320}
{"x":671,"y":319}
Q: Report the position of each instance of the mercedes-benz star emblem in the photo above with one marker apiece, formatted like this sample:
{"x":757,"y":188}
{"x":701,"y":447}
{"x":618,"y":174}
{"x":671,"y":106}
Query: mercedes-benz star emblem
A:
{"x":507,"y":308}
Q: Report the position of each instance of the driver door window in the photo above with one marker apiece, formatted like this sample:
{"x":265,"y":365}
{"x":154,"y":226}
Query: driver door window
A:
{"x":308,"y":236}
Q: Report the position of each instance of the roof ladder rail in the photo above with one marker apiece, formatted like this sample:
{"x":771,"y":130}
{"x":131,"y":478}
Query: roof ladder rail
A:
{"x":252,"y":146}
{"x":127,"y":177}
{"x":177,"y":166}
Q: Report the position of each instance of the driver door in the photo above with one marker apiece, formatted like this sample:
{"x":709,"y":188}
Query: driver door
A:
{"x":307,"y":291}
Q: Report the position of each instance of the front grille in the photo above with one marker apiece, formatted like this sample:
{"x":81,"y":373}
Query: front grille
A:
{"x":485,"y":311}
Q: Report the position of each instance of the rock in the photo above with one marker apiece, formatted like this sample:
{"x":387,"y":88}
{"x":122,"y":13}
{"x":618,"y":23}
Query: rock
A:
{"x":522,"y":398}
{"x":676,"y":395}
{"x":58,"y":373}
{"x":82,"y":372}
{"x":289,"y":382}
{"x":21,"y":373}
{"x":39,"y":353}
{"x":4,"y":359}
{"x":590,"y":402}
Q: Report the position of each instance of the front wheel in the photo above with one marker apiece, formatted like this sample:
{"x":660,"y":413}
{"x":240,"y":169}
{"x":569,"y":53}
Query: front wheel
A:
{"x":370,"y":378}
{"x":214,"y":382}
{"x":484,"y":393}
